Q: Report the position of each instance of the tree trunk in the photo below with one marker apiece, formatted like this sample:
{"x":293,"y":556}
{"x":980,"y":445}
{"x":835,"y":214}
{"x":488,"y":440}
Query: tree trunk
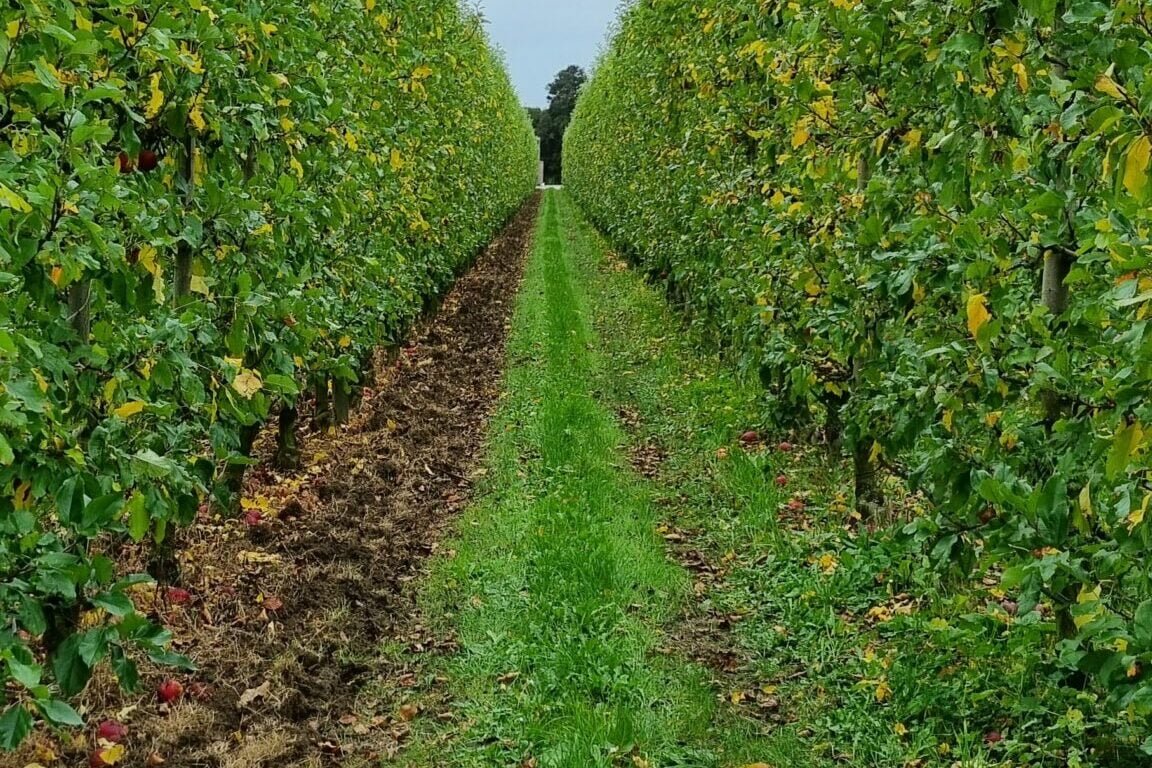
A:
{"x":342,"y":402}
{"x":234,"y":474}
{"x":869,"y":494}
{"x":287,"y":449}
{"x":80,"y":309}
{"x":323,"y":416}
{"x":1053,"y":292}
{"x":182,"y":281}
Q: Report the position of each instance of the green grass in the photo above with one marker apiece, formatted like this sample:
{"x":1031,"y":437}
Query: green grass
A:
{"x":565,"y":599}
{"x":559,"y":575}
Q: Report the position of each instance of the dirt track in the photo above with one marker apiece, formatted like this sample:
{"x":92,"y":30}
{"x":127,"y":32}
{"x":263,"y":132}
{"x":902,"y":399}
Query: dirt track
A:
{"x":286,"y":617}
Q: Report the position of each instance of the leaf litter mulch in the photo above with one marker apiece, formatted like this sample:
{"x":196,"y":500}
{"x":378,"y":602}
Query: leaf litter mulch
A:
{"x":285,"y":611}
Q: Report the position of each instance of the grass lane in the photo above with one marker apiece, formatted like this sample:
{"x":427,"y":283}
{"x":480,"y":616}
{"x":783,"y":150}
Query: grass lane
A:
{"x":559,"y":583}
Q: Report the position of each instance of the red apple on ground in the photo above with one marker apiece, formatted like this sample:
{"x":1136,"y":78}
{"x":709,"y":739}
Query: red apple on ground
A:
{"x":179,"y":596}
{"x":782,"y":480}
{"x":111,"y":731}
{"x":170,"y":691}
{"x":750,"y":437}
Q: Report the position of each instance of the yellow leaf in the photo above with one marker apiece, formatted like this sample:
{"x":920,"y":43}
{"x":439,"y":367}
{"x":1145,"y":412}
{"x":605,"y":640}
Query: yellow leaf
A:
{"x":56,"y":276}
{"x":268,"y":29}
{"x":1021,"y":75}
{"x":296,"y":167}
{"x":129,"y":409}
{"x":396,"y":160}
{"x":113,"y":754}
{"x":883,"y":691}
{"x":948,"y":415}
{"x":147,"y":257}
{"x":421,"y":72}
{"x":247,"y":383}
{"x":1136,"y":516}
{"x":22,"y":498}
{"x":913,"y":138}
{"x":196,"y":116}
{"x":1105,"y":84}
{"x":345,"y":342}
{"x":10,"y":199}
{"x":978,"y":315}
{"x":82,"y":23}
{"x":156,"y":102}
{"x":800,"y":136}
{"x":199,"y":285}
{"x":1086,"y":500}
{"x":1136,"y":165}
{"x":13,"y":29}
{"x":1014,"y":47}
{"x":369,"y":4}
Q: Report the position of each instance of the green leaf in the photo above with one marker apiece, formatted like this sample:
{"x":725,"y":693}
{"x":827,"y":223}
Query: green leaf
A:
{"x":28,"y":675}
{"x":6,"y":454}
{"x":138,"y":518}
{"x":116,"y":603}
{"x":60,"y":713}
{"x":100,"y":512}
{"x":1142,"y":624}
{"x":1124,"y":444}
{"x":72,"y":672}
{"x":15,"y":726}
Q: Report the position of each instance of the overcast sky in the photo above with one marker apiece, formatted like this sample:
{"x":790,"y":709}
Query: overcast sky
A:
{"x":541,"y":37}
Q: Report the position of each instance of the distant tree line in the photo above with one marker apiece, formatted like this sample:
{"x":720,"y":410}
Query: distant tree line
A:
{"x":551,"y":123}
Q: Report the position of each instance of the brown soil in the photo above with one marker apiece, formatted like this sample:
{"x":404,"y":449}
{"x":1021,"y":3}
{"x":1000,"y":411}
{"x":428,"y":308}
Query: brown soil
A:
{"x":285,"y":615}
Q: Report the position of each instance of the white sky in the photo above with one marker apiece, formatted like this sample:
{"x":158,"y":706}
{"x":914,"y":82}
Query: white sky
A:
{"x":541,"y":37}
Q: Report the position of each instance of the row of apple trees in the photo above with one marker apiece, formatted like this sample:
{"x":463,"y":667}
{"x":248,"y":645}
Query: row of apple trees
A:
{"x":205,"y":207}
{"x":925,"y":225}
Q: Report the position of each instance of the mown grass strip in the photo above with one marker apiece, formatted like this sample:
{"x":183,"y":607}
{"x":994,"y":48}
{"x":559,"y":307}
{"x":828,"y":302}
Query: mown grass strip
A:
{"x":559,"y":583}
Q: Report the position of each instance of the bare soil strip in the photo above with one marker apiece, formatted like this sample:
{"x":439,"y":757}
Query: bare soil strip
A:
{"x":285,"y":614}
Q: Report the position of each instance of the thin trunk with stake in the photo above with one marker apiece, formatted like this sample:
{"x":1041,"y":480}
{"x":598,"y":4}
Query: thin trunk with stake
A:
{"x":869,"y":494}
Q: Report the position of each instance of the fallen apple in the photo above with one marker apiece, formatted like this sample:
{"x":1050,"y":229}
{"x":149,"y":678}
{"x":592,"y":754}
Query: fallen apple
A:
{"x":111,"y":731}
{"x":785,"y":447}
{"x":750,"y":437}
{"x":170,"y":691}
{"x":179,"y":596}
{"x":782,"y":480}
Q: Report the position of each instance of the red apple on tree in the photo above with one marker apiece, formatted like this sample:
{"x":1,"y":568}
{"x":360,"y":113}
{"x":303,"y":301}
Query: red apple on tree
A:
{"x":125,"y":163}
{"x":148,"y":160}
